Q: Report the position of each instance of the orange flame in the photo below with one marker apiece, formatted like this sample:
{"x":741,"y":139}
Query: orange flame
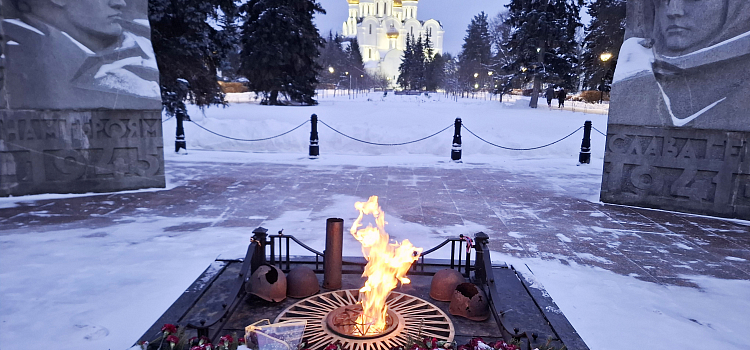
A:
{"x":387,"y":264}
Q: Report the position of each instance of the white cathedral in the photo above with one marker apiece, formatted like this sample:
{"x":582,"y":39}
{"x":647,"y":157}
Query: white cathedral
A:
{"x":381,"y":27}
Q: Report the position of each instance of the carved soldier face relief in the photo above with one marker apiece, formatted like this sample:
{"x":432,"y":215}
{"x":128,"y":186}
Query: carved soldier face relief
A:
{"x":98,"y":18}
{"x":689,"y":25}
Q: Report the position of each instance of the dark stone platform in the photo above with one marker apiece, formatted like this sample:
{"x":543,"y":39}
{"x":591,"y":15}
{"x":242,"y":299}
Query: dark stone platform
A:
{"x":524,"y":310}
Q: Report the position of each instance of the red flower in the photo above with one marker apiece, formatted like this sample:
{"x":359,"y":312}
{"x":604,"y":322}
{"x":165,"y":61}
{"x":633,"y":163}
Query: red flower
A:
{"x":429,"y":343}
{"x":241,"y":340}
{"x":511,"y":347}
{"x":475,"y":342}
{"x":204,"y":340}
{"x":226,"y":340}
{"x":169,"y":328}
{"x":173,"y":339}
{"x":207,"y":346}
{"x":331,"y":347}
{"x":498,"y":345}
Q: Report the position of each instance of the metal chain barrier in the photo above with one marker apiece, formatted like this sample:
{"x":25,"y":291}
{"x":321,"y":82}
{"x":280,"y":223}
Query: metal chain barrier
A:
{"x":521,"y":149}
{"x":597,"y":130}
{"x":250,"y":140}
{"x":384,"y":144}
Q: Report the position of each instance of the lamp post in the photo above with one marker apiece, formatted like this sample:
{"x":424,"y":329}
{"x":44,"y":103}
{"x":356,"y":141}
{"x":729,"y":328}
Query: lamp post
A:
{"x":604,"y":57}
{"x":350,"y":84}
{"x":331,"y":70}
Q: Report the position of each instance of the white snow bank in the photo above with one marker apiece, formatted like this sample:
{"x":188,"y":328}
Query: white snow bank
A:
{"x":616,"y":312}
{"x":394,"y":119}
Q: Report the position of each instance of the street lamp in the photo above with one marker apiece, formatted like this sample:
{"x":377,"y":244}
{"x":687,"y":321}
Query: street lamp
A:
{"x":606,"y":56}
{"x":350,"y":84}
{"x":331,"y":70}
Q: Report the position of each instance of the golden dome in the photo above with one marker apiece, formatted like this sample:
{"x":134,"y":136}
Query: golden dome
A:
{"x":392,"y":33}
{"x":397,"y":3}
{"x":353,"y":2}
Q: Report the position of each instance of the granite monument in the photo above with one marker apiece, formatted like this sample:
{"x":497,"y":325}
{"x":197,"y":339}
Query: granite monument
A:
{"x":80,"y":99}
{"x":679,"y":120}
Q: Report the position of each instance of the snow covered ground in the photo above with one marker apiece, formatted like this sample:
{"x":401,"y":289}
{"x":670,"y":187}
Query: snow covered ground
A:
{"x":102,"y":285}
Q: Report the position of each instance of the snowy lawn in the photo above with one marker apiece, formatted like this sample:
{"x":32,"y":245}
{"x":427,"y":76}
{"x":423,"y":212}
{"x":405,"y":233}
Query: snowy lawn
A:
{"x":100,"y":288}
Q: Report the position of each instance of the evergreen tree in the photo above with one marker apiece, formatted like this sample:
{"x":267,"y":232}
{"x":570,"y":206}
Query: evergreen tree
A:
{"x":451,"y":81}
{"x":543,"y":40}
{"x":355,"y":56}
{"x":356,"y":64}
{"x":503,"y":75}
{"x":476,"y":52}
{"x":332,"y":56}
{"x":405,"y":69}
{"x":188,"y":48}
{"x":418,"y":65}
{"x":429,"y":51}
{"x":434,"y":72}
{"x":434,"y":66}
{"x":500,"y":32}
{"x":604,"y":34}
{"x":280,"y":47}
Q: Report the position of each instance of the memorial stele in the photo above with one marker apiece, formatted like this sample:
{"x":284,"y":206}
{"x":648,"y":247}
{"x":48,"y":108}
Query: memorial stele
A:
{"x":79,"y":97}
{"x":679,"y":119}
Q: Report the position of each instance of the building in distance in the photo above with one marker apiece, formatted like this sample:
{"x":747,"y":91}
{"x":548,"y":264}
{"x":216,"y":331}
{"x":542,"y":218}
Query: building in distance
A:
{"x":381,"y":28}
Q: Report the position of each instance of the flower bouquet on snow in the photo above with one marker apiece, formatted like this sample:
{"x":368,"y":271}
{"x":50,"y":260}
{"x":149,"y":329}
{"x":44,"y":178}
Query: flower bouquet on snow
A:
{"x":285,"y":335}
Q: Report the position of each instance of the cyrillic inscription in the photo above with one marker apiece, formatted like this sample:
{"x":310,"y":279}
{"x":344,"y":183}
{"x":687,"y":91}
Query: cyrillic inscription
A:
{"x":707,"y":171}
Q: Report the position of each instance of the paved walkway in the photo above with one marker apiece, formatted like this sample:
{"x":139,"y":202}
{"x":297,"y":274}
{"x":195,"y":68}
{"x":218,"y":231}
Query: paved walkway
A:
{"x":526,"y":216}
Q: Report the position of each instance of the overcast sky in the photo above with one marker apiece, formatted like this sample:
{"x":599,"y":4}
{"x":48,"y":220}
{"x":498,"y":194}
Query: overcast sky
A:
{"x":454,"y":15}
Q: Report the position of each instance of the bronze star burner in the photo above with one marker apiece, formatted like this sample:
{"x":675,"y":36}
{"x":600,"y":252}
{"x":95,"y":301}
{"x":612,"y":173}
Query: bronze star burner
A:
{"x":332,"y":317}
{"x":344,"y":322}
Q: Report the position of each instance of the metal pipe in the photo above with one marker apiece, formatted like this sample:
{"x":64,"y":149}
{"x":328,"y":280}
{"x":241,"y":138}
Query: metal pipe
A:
{"x":332,"y":256}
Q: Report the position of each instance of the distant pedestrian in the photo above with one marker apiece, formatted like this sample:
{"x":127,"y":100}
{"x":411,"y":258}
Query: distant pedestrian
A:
{"x":549,"y":94}
{"x":561,"y":98}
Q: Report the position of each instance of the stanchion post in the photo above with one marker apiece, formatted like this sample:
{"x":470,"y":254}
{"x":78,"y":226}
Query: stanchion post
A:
{"x":179,"y":141}
{"x":585,"y":156}
{"x":456,"y":150}
{"x":314,"y":149}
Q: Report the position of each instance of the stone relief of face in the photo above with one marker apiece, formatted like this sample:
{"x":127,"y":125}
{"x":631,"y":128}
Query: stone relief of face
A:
{"x":99,"y":18}
{"x":688,"y":25}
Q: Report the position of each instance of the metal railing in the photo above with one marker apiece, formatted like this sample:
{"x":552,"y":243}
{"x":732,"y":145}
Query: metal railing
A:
{"x":279,"y":254}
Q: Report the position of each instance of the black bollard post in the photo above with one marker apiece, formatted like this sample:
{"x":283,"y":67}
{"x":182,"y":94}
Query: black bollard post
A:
{"x":585,"y":156}
{"x":456,"y":150}
{"x":314,"y":149}
{"x":179,"y":141}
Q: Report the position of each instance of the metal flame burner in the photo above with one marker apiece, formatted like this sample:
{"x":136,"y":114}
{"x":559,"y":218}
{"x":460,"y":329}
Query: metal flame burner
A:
{"x":343,"y":321}
{"x":329,"y":320}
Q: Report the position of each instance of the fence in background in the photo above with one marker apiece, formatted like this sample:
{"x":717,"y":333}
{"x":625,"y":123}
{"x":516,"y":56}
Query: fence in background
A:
{"x":456,"y":150}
